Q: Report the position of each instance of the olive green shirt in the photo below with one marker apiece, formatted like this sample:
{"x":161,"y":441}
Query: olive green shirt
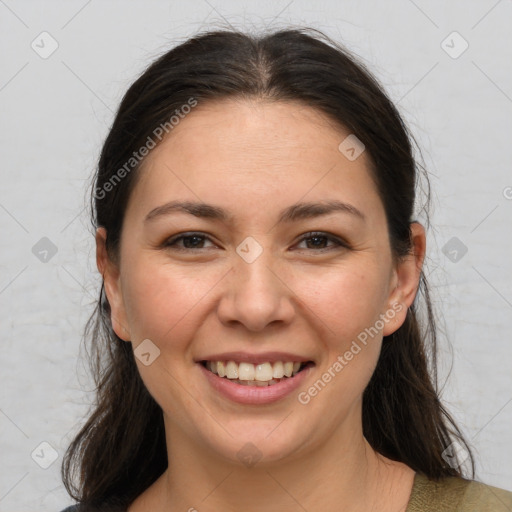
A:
{"x":457,"y":495}
{"x":449,"y":495}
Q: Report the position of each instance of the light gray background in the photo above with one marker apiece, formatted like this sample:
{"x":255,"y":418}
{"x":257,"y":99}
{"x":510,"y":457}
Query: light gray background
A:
{"x":55,"y":113}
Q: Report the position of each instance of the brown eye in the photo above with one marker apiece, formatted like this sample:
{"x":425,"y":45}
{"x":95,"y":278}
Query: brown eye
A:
{"x":190,"y":241}
{"x":319,"y":240}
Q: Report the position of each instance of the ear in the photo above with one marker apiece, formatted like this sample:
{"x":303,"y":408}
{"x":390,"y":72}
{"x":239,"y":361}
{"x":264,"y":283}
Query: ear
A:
{"x":405,"y":281}
{"x":112,"y":281}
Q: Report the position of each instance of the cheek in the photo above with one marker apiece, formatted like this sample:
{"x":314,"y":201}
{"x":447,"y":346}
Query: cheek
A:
{"x":163,"y":302}
{"x":164,"y":305}
{"x":348,"y":303}
{"x":346,"y":300}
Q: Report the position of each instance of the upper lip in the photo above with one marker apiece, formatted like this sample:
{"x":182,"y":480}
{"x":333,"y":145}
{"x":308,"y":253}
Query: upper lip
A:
{"x":263,"y":357}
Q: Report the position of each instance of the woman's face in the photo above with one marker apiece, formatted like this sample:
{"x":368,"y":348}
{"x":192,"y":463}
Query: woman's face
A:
{"x":250,"y":281}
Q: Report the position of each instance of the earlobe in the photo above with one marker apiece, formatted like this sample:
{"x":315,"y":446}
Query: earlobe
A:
{"x":407,"y":277}
{"x":111,"y":279}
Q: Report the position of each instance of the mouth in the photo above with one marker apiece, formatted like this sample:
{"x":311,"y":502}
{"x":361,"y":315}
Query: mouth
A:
{"x":261,"y":375}
{"x":255,"y":384}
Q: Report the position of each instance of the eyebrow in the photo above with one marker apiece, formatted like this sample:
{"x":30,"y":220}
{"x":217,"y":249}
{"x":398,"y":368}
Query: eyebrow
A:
{"x":298,"y":211}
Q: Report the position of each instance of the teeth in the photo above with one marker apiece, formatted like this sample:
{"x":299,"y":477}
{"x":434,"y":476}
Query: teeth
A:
{"x":256,"y":383}
{"x":232,"y":370}
{"x":278,"y":372}
{"x":221,"y":369}
{"x":246,"y":371}
{"x":254,"y":375}
{"x":263,"y":372}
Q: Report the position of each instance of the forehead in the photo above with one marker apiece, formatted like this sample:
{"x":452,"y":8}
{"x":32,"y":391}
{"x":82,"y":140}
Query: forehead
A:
{"x":260,"y":129}
{"x":253,"y":152}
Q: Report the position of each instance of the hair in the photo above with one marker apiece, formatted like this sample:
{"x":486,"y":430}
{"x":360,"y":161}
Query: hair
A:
{"x":121,"y":449}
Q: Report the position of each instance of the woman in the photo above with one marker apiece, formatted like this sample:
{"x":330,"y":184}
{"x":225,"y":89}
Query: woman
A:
{"x":258,"y":341}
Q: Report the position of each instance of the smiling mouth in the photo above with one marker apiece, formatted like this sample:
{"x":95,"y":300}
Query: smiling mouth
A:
{"x":248,"y":374}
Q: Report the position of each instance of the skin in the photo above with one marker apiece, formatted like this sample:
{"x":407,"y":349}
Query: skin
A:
{"x":254,"y":158}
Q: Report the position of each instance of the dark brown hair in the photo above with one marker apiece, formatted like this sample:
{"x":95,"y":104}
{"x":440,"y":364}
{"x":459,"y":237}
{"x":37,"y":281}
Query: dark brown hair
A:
{"x":121,"y":449}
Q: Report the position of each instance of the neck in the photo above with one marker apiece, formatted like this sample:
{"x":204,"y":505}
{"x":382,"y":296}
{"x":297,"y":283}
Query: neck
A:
{"x":342,"y":473}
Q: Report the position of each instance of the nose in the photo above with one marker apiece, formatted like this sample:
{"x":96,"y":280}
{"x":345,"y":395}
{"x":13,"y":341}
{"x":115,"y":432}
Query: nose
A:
{"x":256,"y":295}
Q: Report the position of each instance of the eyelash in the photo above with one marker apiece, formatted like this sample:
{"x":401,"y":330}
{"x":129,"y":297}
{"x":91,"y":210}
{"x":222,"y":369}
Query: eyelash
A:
{"x":171,"y":242}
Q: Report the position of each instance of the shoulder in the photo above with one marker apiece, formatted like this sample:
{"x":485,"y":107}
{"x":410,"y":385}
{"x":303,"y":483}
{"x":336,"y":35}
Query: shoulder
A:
{"x":455,"y":494}
{"x":484,"y":497}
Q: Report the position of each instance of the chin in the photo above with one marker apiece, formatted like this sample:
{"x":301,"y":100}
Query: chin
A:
{"x":258,"y":447}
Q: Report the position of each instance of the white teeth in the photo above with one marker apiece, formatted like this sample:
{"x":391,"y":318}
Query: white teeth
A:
{"x":256,"y":383}
{"x":263,"y":372}
{"x":232,"y":370}
{"x":278,"y":372}
{"x":260,"y":375}
{"x":221,"y":369}
{"x":246,"y":371}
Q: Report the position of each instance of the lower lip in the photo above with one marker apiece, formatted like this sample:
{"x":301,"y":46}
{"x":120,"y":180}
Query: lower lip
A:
{"x":255,"y":394}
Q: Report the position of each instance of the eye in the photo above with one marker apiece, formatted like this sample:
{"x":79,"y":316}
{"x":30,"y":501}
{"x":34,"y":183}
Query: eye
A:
{"x":319,"y":239}
{"x":315,"y":240}
{"x":190,"y":241}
